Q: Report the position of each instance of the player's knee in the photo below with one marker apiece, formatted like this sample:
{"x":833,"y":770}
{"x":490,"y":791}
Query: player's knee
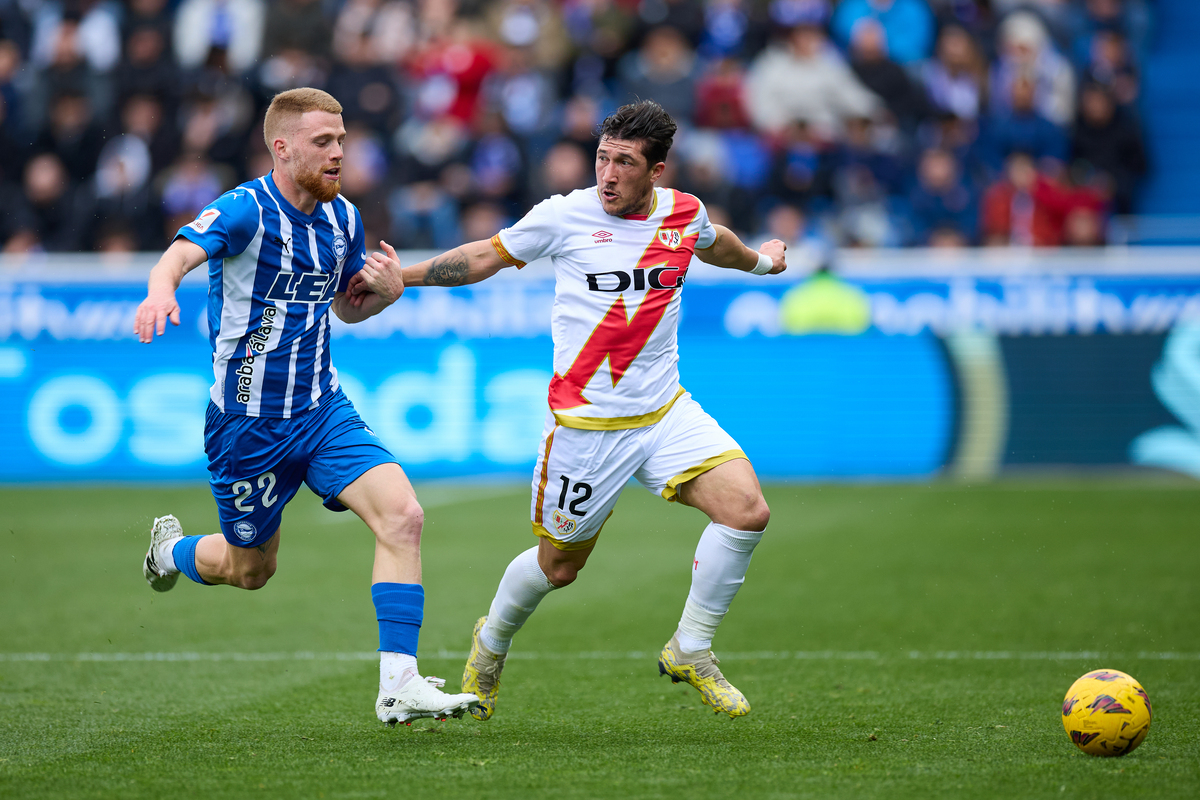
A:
{"x":255,"y":577}
{"x":754,"y":514}
{"x":402,"y":523}
{"x":562,"y":573}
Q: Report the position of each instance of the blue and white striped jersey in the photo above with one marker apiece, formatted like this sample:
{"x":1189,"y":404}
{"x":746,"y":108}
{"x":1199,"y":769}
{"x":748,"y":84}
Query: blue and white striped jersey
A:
{"x":272,"y":274}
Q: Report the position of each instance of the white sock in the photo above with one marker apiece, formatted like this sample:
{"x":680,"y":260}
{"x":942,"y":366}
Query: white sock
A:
{"x":395,"y":670}
{"x":164,"y":555}
{"x":521,"y":589}
{"x":718,"y":571}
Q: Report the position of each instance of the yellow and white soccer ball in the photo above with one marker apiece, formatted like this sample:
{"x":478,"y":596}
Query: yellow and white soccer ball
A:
{"x":1106,"y":713}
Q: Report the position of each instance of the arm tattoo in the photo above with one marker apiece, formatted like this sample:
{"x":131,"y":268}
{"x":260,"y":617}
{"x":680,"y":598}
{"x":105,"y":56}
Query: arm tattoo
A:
{"x":448,"y":270}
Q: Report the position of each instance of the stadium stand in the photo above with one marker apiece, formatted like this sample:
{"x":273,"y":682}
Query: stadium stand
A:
{"x":859,"y":123}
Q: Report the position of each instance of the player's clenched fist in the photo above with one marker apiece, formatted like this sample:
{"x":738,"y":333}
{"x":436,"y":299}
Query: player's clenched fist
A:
{"x":152,"y":316}
{"x":380,"y":274}
{"x":775,"y":250}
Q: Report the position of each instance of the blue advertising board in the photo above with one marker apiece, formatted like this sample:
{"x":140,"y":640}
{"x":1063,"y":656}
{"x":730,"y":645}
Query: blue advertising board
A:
{"x":454,"y":380}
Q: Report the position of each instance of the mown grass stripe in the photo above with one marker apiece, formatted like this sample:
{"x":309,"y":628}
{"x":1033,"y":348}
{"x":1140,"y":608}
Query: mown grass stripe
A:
{"x":801,"y":655}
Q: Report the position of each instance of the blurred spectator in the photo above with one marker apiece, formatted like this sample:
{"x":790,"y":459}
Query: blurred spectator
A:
{"x":188,"y":185}
{"x":869,"y":59}
{"x":1026,"y":50}
{"x":532,"y":25}
{"x":73,"y":135}
{"x":807,"y":248}
{"x":566,"y":167}
{"x":582,"y":116}
{"x":526,"y":97}
{"x":1130,"y":18}
{"x":908,"y":24}
{"x":732,"y":28}
{"x":1023,"y":129}
{"x":95,"y":34}
{"x":496,"y":164}
{"x":599,"y":31}
{"x":804,"y":78}
{"x":1110,"y":140}
{"x":142,"y":115}
{"x":450,"y":71}
{"x":974,"y":16}
{"x":956,"y":78}
{"x":363,"y":84}
{"x":389,"y":25}
{"x":685,"y":16}
{"x":147,"y":14}
{"x":482,"y":220}
{"x":1026,"y":208}
{"x":233,"y":26}
{"x":663,"y":69}
{"x":1109,"y":63}
{"x":56,"y":209}
{"x":1057,"y":14}
{"x":719,"y":95}
{"x":941,"y":201}
{"x":799,"y":167}
{"x":297,"y":25}
{"x":121,"y":189}
{"x":148,"y":66}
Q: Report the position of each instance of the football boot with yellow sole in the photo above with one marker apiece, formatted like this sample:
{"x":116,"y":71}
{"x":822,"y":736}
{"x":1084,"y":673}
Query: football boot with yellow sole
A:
{"x":481,"y":676}
{"x":700,"y":670}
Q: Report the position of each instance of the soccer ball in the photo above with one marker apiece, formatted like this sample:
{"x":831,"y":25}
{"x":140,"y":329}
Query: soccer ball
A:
{"x":1106,"y":713}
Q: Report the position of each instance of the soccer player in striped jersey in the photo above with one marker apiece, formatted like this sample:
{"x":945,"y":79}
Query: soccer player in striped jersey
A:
{"x":280,"y":251}
{"x":621,"y":250}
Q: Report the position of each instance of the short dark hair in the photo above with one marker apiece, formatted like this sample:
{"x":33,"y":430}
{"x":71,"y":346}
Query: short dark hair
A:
{"x":644,"y":122}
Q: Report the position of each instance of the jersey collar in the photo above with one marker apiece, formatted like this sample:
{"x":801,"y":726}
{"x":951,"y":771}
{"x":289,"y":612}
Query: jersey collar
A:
{"x":286,"y":205}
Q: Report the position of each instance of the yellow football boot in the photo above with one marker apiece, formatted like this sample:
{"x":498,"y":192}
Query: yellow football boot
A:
{"x":481,"y":676}
{"x":700,"y":670}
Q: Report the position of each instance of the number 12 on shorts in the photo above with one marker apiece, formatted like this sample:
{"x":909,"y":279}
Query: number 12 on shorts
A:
{"x":582,"y":489}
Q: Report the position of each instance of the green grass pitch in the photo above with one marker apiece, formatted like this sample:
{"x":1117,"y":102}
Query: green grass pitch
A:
{"x":894,"y":641}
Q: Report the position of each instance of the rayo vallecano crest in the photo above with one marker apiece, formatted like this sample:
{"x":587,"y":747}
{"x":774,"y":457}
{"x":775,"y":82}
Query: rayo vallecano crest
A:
{"x":563,"y":525}
{"x":670,"y":237}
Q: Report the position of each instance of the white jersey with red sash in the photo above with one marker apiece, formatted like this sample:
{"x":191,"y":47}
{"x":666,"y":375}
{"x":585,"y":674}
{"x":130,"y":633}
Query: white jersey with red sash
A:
{"x":616,"y":301}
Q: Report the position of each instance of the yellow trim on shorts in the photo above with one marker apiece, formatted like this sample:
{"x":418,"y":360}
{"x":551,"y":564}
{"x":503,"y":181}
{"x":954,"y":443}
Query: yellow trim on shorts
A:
{"x":559,"y":544}
{"x":505,"y":256}
{"x":670,"y":494}
{"x":617,"y":423}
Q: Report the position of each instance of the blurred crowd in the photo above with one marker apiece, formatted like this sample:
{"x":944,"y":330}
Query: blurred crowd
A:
{"x":872,"y":123}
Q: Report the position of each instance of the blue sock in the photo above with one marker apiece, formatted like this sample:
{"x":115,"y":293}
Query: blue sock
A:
{"x":399,"y":607}
{"x":184,"y":554}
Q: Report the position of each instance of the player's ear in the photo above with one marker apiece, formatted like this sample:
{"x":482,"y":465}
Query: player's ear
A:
{"x":657,"y":171}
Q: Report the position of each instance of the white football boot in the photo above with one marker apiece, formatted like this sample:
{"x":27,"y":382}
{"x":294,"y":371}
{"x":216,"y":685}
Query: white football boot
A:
{"x":421,"y":698}
{"x":164,"y":530}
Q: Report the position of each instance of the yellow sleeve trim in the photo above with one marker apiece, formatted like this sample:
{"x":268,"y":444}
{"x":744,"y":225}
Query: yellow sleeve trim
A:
{"x":617,"y":423}
{"x":505,"y":256}
{"x":568,"y":547}
{"x":671,"y":493}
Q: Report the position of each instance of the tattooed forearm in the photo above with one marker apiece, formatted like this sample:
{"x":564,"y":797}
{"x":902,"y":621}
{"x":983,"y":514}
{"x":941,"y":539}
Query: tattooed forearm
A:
{"x":448,"y":270}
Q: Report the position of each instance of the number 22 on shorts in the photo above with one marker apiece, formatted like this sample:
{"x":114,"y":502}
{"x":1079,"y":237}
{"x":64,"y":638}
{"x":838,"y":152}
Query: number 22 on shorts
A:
{"x":266,"y":483}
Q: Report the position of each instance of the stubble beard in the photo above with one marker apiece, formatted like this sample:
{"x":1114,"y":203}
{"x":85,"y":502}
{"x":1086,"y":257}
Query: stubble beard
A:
{"x":315,"y":184}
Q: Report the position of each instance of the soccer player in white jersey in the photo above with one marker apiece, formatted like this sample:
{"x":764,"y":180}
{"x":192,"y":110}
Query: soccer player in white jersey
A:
{"x":620,"y":251}
{"x":280,"y":251}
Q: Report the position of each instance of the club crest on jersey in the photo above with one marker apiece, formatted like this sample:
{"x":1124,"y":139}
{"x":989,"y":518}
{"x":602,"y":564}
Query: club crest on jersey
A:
{"x":671,"y":237}
{"x":563,"y":525}
{"x":339,"y":247}
{"x":206,"y":218}
{"x":245,"y":531}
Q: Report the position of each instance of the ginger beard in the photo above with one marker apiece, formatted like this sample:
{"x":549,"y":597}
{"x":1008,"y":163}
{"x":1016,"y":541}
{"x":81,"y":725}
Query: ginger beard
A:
{"x":315,"y":183}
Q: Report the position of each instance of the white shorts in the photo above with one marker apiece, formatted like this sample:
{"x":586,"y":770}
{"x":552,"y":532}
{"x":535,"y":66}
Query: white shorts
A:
{"x":580,"y":473}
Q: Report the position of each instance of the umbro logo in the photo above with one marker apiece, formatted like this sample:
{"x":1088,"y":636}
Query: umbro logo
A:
{"x":286,"y":245}
{"x":601,"y":236}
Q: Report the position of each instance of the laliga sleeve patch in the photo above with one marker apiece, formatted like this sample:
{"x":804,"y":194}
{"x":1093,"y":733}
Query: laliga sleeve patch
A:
{"x":206,"y":218}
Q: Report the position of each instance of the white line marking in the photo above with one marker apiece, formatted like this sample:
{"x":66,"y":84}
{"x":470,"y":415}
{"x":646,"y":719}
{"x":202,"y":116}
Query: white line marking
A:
{"x":801,"y":655}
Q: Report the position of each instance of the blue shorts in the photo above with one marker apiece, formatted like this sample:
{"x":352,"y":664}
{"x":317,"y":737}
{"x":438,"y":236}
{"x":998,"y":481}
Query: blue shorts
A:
{"x":256,"y":464}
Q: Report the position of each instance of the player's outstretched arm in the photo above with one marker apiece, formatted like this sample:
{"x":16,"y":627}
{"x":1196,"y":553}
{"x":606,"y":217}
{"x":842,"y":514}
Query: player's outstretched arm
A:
{"x":180,"y":258}
{"x":470,"y":263}
{"x":729,"y":252}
